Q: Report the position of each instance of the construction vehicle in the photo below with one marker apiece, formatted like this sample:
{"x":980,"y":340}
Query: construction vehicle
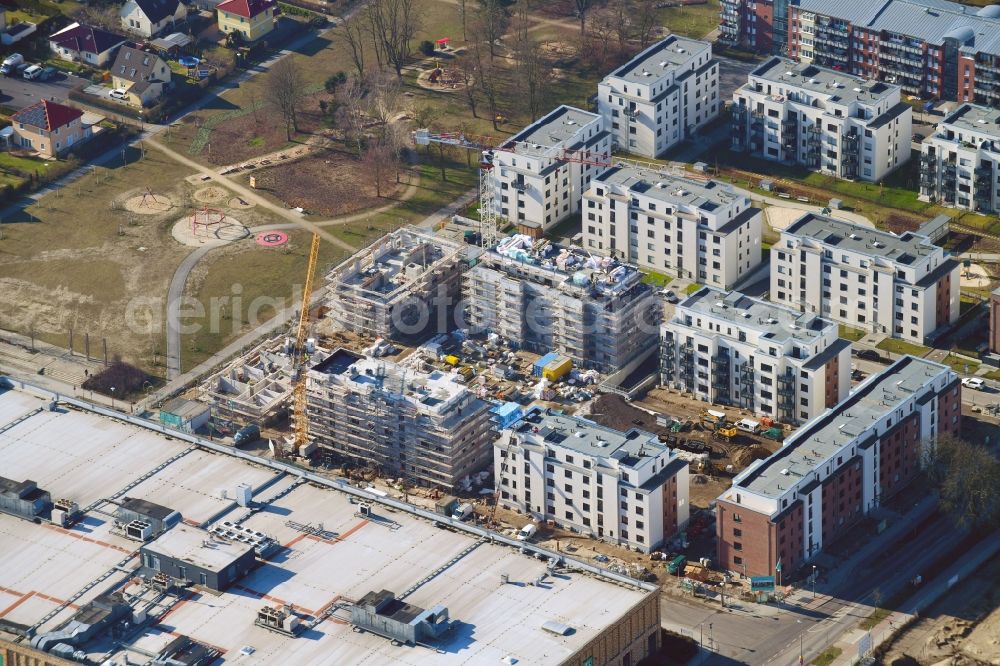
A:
{"x":726,"y":432}
{"x":713,"y":418}
{"x":300,"y":422}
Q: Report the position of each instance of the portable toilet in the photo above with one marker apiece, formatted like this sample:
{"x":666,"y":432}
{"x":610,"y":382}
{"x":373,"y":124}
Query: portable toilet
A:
{"x":558,"y":369}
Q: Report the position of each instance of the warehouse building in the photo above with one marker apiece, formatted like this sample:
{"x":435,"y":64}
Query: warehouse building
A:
{"x":186,"y":553}
{"x":735,"y":350}
{"x":660,"y":97}
{"x":705,"y":231}
{"x":960,"y":162}
{"x":402,"y":287}
{"x":903,"y":286}
{"x":836,"y":468}
{"x":626,"y":488}
{"x":544,"y":297}
{"x":541,"y":172}
{"x":822,"y":119}
{"x":427,"y":428}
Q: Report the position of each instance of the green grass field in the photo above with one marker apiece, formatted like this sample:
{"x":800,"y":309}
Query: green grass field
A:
{"x":692,"y":20}
{"x":852,"y":334}
{"x":902,"y":347}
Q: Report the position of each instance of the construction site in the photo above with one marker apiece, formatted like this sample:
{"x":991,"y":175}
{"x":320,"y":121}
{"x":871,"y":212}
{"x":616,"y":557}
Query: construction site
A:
{"x":401,"y":287}
{"x":226,"y":554}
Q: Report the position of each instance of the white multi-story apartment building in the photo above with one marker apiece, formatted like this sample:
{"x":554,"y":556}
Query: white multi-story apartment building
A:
{"x":541,"y":172}
{"x":735,"y":350}
{"x":699,"y":230}
{"x":960,"y":162}
{"x":661,"y":96}
{"x":836,"y":469}
{"x":428,"y":428}
{"x":903,"y":286}
{"x":822,"y":119}
{"x":544,"y":297}
{"x":623,"y":487}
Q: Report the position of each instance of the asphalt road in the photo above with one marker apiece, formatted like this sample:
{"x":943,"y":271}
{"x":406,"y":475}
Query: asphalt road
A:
{"x":732,"y":75}
{"x":18,"y":93}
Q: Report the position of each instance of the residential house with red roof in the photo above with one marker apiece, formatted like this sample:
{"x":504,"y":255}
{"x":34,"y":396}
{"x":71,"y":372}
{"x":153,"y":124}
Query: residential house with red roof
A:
{"x":84,"y":43}
{"x":250,"y":19}
{"x":48,"y":128}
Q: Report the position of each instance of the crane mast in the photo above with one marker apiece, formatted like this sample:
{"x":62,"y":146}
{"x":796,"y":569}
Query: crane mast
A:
{"x":299,"y":353}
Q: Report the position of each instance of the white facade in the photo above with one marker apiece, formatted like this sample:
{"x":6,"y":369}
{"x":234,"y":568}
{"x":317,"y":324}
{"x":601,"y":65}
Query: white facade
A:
{"x":622,"y":487}
{"x":699,"y":230}
{"x":542,"y":171}
{"x":825,"y":120}
{"x":903,"y":286}
{"x":661,"y":96}
{"x":149,"y":18}
{"x":960,"y":162}
{"x":732,"y":349}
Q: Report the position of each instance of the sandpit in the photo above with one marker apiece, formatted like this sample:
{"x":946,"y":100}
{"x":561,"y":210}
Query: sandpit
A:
{"x":212,"y":195}
{"x":210,"y":230}
{"x":974,"y":277}
{"x":148,"y":204}
{"x":441,"y":80}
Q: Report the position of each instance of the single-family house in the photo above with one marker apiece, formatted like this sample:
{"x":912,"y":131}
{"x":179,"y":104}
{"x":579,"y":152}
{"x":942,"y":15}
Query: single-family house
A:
{"x":142,"y":75}
{"x":48,"y":128}
{"x":84,"y":43}
{"x":151,"y":17}
{"x":250,"y":19}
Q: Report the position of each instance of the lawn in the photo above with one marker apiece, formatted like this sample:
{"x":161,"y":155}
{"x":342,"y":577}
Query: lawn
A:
{"x":850,"y":333}
{"x":902,"y":347}
{"x":691,"y":20}
{"x":656,"y":279}
{"x":693,"y":287}
{"x":961,"y":364}
{"x":827,"y":656}
{"x":992,"y":374}
{"x":873,"y":620}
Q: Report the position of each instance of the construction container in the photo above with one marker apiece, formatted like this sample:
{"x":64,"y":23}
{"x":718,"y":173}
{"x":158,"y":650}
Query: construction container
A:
{"x":540,"y":364}
{"x":557,"y":369}
{"x":451,"y":359}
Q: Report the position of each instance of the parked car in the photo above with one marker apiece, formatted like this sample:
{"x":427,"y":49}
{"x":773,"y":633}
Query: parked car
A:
{"x":10,"y":63}
{"x":974,"y":383}
{"x":118,"y":93}
{"x":32,"y":72}
{"x":870,"y":355}
{"x":669,"y":295}
{"x":48,"y":74}
{"x":527,"y":532}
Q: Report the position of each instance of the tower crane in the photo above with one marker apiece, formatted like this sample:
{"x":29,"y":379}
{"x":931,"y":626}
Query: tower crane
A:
{"x":299,"y":353}
{"x":487,"y":146}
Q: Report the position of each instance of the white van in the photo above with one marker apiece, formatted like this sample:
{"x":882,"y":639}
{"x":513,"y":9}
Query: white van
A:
{"x":527,"y":532}
{"x":119,"y":93}
{"x":462,"y":512}
{"x":32,"y":72}
{"x":748,"y":425}
{"x":10,"y":63}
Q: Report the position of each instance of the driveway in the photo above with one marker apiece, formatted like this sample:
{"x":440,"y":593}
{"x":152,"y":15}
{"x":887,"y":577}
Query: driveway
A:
{"x":732,"y":75}
{"x":18,"y":93}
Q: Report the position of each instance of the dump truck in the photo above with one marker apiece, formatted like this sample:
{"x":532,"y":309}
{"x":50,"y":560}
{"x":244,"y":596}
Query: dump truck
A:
{"x":713,"y":417}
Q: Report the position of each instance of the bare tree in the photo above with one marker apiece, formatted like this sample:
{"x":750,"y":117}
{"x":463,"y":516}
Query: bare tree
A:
{"x":379,"y":162}
{"x":350,"y":116}
{"x":645,"y":22}
{"x":382,"y":103}
{"x":531,"y":70}
{"x":489,"y":79}
{"x":285,"y":90}
{"x":581,"y":8}
{"x":620,"y":19}
{"x":394,"y":24}
{"x":465,"y":65}
{"x":100,"y":16}
{"x":492,"y":21}
{"x":354,"y":35}
{"x":463,"y":9}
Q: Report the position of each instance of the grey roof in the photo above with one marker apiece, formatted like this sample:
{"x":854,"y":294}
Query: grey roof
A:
{"x":821,"y":438}
{"x":778,"y":322}
{"x":556,"y":127}
{"x":146,"y":508}
{"x":927,"y":20}
{"x":705,"y":195}
{"x":975,"y":118}
{"x":829,"y":231}
{"x":135,"y":65}
{"x":630,"y":448}
{"x":841,"y":87}
{"x":660,"y":58}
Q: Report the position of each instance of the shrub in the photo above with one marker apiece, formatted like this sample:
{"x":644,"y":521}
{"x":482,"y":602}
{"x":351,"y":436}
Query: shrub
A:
{"x":124,"y":378}
{"x":427,"y":47}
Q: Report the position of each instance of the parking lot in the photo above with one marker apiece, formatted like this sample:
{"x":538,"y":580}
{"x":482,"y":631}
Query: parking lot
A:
{"x":18,"y":93}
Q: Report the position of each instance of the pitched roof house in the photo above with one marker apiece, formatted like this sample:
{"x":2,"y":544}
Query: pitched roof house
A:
{"x":84,"y":43}
{"x":141,"y":74}
{"x":151,"y":17}
{"x":48,"y":128}
{"x":250,"y":19}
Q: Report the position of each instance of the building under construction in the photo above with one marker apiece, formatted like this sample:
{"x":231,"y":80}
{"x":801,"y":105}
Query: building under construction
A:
{"x":429,"y":429}
{"x":402,"y":287}
{"x":543,"y":297}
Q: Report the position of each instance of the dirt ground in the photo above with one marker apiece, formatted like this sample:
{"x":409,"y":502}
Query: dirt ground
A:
{"x":961,"y":629}
{"x":324,"y":184}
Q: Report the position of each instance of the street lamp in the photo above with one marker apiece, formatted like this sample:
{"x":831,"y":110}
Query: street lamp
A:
{"x":112,"y":397}
{"x":801,"y":660}
{"x":814,"y":581}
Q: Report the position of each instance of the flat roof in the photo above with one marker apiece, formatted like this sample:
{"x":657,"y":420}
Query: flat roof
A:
{"x":556,"y":128}
{"x":705,"y":195}
{"x":907,"y":249}
{"x":777,"y":322}
{"x":839,"y":87}
{"x":660,"y":59}
{"x":818,"y":440}
{"x":146,"y":508}
{"x":974,"y":118}
{"x":392,"y":550}
{"x":630,"y":448}
{"x":198,"y":547}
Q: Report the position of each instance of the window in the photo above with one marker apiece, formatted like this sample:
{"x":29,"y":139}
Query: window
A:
{"x":203,"y":579}
{"x":737,"y":545}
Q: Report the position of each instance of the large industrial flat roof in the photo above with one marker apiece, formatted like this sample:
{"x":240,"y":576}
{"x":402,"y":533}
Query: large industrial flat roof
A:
{"x":812,"y":445}
{"x":393,"y":550}
{"x":907,"y":249}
